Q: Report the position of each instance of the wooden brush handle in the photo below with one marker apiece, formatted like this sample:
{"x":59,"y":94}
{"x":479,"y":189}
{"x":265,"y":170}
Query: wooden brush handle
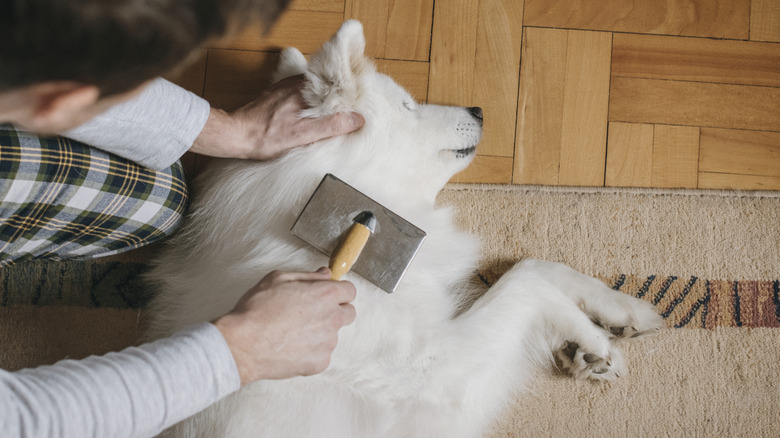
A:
{"x":347,"y":253}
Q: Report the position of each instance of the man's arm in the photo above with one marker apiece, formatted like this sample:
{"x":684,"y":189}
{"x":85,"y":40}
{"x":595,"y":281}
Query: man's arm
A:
{"x":156,"y":127}
{"x":285,"y":326}
{"x":137,"y":392}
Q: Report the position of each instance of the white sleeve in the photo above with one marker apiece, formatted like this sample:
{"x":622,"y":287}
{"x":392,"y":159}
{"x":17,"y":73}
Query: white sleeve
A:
{"x":137,"y":392}
{"x":153,"y":129}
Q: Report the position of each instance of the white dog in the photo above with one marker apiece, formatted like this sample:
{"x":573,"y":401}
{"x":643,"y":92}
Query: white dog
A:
{"x":425,"y":361}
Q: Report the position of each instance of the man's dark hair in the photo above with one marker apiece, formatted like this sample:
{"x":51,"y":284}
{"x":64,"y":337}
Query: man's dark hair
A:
{"x":113,"y":44}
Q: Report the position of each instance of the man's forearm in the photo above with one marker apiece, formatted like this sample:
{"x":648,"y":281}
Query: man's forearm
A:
{"x":134,"y":393}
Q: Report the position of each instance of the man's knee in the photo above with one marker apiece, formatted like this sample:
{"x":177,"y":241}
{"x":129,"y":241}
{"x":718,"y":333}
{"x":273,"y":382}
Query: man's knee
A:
{"x":62,"y":199}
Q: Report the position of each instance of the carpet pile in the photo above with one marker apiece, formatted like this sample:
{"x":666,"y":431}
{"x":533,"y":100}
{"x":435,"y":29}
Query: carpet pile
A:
{"x":709,"y":261}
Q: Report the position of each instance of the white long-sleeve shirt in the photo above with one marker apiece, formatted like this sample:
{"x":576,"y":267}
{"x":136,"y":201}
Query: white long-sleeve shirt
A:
{"x":154,"y":128}
{"x":137,"y":392}
{"x":140,"y":391}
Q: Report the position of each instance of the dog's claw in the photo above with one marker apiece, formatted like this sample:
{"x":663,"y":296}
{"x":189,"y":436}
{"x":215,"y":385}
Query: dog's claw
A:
{"x":590,"y":357}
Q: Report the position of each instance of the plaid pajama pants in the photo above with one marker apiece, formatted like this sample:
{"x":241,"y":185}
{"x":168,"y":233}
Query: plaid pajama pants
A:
{"x":62,"y":199}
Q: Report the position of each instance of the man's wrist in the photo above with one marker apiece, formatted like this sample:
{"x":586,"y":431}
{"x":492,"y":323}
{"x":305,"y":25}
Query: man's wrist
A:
{"x":221,"y":137}
{"x":227,"y":326}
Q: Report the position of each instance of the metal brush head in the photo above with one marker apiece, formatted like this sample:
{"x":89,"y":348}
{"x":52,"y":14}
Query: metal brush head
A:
{"x":335,"y":206}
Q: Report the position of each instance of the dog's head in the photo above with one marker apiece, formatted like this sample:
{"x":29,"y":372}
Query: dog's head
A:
{"x":403,"y":143}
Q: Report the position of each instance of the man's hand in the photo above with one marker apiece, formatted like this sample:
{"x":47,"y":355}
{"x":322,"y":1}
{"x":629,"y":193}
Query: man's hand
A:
{"x":270,"y":125}
{"x":287,"y":324}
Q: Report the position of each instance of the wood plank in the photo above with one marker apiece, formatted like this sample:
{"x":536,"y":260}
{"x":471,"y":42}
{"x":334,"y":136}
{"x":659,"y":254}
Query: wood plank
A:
{"x":726,"y":181}
{"x":305,"y":30}
{"x":486,"y":169}
{"x":694,"y":104}
{"x":452,"y":54}
{"x":675,"y":156}
{"x":496,"y":72}
{"x":765,"y":20}
{"x":629,"y":155}
{"x":409,"y":24}
{"x":191,"y":76}
{"x":704,"y":18}
{"x":394,"y":29}
{"x":540,"y":107}
{"x":696,"y":59}
{"x":235,"y":77}
{"x":562,"y":108}
{"x":585,"y":108}
{"x":317,"y":5}
{"x":412,"y":75}
{"x":740,"y":152}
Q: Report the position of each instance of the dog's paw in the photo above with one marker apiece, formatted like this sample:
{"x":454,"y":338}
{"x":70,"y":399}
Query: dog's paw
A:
{"x":623,"y":316}
{"x":620,"y":314}
{"x":583,"y":364}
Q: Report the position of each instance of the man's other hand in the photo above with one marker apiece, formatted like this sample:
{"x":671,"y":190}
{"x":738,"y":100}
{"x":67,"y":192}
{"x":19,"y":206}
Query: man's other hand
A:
{"x":270,"y":125}
{"x":287,"y":324}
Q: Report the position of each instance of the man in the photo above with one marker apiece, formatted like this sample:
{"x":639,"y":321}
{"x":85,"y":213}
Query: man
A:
{"x":87,"y":69}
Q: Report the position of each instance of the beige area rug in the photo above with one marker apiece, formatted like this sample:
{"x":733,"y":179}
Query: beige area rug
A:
{"x":709,"y":261}
{"x":705,"y":259}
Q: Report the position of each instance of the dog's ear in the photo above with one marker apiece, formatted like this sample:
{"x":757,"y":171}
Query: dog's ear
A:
{"x":291,"y":63}
{"x":333,"y":72}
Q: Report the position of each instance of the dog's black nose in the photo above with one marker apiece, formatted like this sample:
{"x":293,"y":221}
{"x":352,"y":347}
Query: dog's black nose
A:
{"x":476,"y":112}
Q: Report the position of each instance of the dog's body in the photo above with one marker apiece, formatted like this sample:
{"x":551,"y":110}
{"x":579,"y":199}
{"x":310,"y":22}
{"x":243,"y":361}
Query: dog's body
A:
{"x":423,"y":361}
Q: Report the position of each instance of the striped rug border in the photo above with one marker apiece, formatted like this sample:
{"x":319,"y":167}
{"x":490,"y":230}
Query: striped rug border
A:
{"x":685,"y":302}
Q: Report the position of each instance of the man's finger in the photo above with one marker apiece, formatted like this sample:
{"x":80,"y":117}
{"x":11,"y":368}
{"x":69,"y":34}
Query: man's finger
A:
{"x":345,"y":123}
{"x":332,"y":125}
{"x":285,"y":276}
{"x":349,"y":313}
{"x":347,"y":292}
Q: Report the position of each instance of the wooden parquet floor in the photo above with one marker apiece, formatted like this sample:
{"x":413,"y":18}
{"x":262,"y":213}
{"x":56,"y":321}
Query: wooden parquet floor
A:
{"x":622,"y":93}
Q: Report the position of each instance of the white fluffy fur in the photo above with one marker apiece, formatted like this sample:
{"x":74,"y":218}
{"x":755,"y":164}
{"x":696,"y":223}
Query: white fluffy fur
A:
{"x":414,"y":364}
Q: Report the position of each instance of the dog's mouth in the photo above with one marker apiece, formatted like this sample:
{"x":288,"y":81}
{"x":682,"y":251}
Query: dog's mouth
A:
{"x":465,"y":152}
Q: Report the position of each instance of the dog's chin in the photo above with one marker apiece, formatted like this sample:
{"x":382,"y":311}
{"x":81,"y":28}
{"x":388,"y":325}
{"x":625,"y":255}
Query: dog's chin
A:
{"x":454,"y":161}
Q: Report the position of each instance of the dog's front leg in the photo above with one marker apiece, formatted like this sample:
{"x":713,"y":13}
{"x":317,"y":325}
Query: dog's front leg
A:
{"x":486,"y":354}
{"x":535,"y":310}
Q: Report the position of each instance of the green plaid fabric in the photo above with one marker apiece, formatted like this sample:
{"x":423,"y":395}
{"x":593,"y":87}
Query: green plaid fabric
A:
{"x":62,"y":199}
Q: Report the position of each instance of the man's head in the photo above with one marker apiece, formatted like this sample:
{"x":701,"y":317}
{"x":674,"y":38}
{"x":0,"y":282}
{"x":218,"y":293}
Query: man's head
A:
{"x":100,"y":48}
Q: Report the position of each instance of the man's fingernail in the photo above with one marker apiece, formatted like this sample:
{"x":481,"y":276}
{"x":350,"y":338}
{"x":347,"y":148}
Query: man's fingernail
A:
{"x":356,"y":120}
